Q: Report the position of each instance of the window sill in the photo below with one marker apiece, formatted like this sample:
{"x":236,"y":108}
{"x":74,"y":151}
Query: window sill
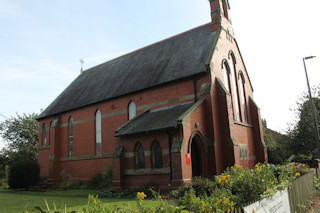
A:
{"x":147,"y":171}
{"x":242,"y":124}
{"x":43,"y":147}
{"x":86,"y":157}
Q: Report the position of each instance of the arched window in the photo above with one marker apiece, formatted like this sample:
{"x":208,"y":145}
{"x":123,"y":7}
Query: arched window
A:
{"x":98,"y":133}
{"x":49,"y":135}
{"x":70,"y":137}
{"x":132,"y":110}
{"x":139,"y":156}
{"x":243,"y":100}
{"x":156,"y":155}
{"x":44,"y":135}
{"x":226,"y":74}
{"x":235,"y":94}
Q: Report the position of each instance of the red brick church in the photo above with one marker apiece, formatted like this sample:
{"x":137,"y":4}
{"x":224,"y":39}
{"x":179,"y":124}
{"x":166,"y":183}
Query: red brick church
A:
{"x":160,"y":115}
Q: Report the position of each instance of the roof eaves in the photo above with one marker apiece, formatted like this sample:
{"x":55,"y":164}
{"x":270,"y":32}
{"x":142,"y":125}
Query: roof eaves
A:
{"x":213,"y":47}
{"x":147,"y":131}
{"x":135,"y":91}
{"x":191,"y":109}
{"x":222,"y":87}
{"x":130,"y":121}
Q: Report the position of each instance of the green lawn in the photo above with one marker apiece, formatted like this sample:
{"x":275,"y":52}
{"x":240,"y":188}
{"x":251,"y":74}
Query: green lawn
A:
{"x":28,"y":200}
{"x":55,"y":192}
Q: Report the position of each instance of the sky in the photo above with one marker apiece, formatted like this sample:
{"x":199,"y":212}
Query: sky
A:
{"x":42,"y":42}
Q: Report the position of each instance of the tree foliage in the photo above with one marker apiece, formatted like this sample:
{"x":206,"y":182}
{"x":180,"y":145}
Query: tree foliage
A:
{"x":277,"y":145}
{"x":302,"y":132}
{"x":20,"y":134}
{"x":23,"y":173}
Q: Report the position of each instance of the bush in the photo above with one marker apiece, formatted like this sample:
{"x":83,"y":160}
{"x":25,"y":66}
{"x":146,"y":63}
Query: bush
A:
{"x":247,"y":184}
{"x":238,"y":186}
{"x":95,"y":181}
{"x":201,"y":186}
{"x":101,"y":180}
{"x":72,"y":183}
{"x":2,"y":174}
{"x":219,"y":201}
{"x":23,"y":173}
{"x":107,"y":176}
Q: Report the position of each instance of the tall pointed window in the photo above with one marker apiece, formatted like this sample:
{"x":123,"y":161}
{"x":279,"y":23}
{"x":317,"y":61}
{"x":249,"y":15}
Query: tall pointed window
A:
{"x":44,"y":135}
{"x":49,"y":135}
{"x":132,"y":110}
{"x":243,"y":100}
{"x":235,"y":94}
{"x":98,"y":133}
{"x":70,"y":137}
{"x":139,"y":156}
{"x":156,"y":155}
{"x":226,"y":75}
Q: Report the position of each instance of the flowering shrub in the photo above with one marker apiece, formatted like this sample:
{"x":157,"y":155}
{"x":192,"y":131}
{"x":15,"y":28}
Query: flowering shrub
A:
{"x":140,"y":198}
{"x":200,"y":185}
{"x":237,"y":186}
{"x":246,"y":184}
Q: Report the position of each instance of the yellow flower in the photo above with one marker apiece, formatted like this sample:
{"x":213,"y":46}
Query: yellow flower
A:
{"x":141,"y":194}
{"x":237,"y":166}
{"x":297,"y":174}
{"x":257,"y":165}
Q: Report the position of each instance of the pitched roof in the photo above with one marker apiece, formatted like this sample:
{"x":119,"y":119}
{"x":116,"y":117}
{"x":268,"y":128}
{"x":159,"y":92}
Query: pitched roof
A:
{"x":153,"y":120}
{"x":172,"y":59}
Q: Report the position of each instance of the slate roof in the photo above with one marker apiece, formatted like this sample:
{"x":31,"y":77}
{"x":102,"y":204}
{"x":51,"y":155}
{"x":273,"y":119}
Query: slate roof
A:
{"x":172,"y":59}
{"x":153,"y":120}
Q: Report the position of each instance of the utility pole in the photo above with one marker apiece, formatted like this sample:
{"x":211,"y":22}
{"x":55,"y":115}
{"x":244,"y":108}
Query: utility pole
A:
{"x":315,"y":123}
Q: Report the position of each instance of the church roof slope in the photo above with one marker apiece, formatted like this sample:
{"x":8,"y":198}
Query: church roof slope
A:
{"x":154,"y":120}
{"x":172,"y":59}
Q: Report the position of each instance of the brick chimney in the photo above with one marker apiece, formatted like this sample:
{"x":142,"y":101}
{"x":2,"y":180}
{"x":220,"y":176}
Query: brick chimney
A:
{"x":220,"y":14}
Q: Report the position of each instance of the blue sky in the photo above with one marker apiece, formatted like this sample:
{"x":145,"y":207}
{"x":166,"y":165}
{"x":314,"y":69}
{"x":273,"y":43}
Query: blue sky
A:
{"x":42,"y":41}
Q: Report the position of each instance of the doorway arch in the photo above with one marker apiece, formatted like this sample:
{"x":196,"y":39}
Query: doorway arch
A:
{"x":197,"y":151}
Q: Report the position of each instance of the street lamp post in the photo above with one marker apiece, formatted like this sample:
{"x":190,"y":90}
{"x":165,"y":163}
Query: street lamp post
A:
{"x":312,"y":106}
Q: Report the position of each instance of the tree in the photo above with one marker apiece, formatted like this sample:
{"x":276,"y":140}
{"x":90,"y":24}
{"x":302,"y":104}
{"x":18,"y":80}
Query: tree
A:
{"x":20,"y":134}
{"x":23,"y":173}
{"x":277,"y":145}
{"x":301,"y":133}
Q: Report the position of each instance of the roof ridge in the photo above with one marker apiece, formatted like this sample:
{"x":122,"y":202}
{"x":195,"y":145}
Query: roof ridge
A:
{"x":150,"y":45}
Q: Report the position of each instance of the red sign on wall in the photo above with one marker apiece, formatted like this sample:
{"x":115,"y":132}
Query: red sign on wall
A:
{"x":188,"y":159}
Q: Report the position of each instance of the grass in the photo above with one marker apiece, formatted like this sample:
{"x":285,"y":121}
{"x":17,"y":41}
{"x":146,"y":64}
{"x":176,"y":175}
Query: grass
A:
{"x":19,"y":201}
{"x":55,"y":192}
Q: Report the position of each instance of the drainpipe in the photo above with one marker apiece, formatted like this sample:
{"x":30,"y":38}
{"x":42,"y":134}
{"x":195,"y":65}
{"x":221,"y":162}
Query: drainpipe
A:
{"x":195,"y":89}
{"x":170,"y":161}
